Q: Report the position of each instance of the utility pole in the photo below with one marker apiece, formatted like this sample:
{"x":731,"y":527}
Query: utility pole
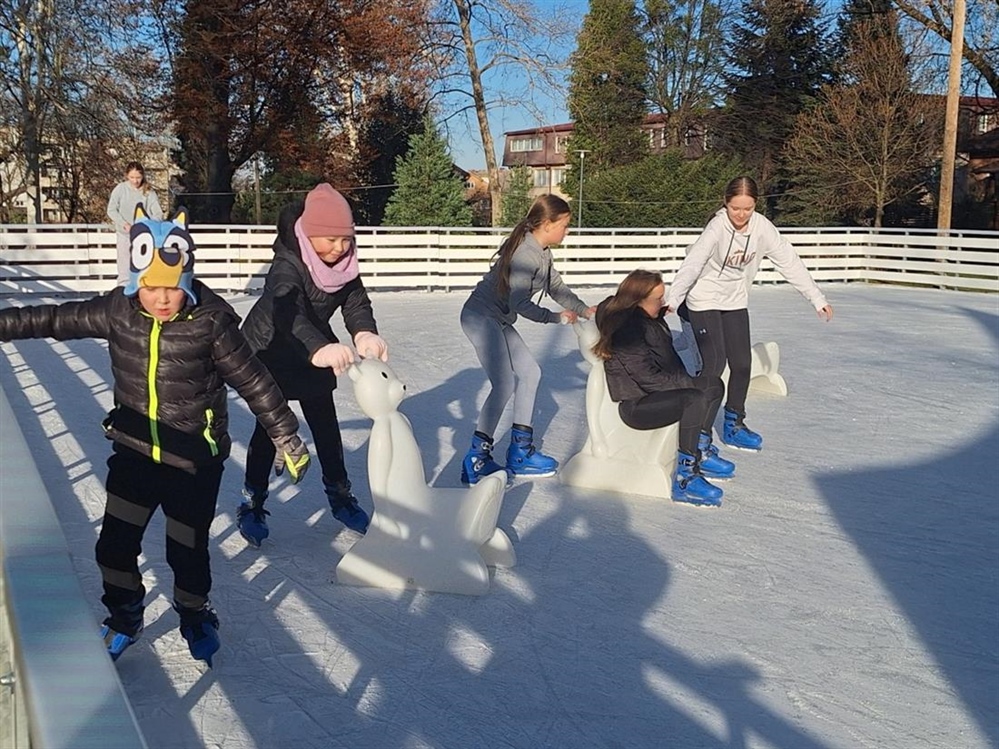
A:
{"x":256,"y":187}
{"x":946,"y":201}
{"x":579,"y":214}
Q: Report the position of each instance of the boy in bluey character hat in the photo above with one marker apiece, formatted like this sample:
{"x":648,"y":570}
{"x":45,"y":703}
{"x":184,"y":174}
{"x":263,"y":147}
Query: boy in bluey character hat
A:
{"x":174,"y":346}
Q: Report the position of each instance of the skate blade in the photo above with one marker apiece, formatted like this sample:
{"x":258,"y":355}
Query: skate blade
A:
{"x":704,"y":503}
{"x":541,"y":475}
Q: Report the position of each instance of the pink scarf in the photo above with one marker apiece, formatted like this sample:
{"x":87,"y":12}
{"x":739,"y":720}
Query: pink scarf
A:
{"x":329,"y":278}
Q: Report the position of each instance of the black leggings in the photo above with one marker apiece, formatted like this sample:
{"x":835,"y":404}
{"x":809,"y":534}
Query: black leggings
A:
{"x":689,"y":406}
{"x":320,"y":415}
{"x":723,"y":336}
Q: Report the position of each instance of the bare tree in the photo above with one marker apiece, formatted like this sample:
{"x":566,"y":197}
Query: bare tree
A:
{"x":981,"y":36}
{"x":62,"y":102}
{"x":871,"y":137}
{"x":684,"y":65}
{"x":475,"y":42}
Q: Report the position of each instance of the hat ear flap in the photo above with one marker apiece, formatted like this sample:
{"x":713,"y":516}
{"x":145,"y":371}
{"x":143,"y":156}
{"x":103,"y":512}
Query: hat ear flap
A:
{"x":140,"y":212}
{"x":180,"y":217}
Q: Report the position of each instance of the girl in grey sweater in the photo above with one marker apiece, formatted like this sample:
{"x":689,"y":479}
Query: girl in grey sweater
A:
{"x":121,"y":208}
{"x":523,"y":268}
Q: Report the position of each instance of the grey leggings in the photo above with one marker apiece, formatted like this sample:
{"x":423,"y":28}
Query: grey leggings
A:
{"x":509,"y":365}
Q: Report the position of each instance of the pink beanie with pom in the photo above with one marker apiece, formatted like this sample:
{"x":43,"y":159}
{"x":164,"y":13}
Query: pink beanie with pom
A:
{"x":327,"y":213}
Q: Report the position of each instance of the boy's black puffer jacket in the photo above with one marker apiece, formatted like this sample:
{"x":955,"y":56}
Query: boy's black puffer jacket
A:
{"x":169,"y":377}
{"x":643,"y":359}
{"x":291,"y":320}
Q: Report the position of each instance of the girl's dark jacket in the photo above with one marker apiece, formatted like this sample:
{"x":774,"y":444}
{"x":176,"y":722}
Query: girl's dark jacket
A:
{"x":291,"y":320}
{"x":171,"y":402}
{"x":643,"y":359}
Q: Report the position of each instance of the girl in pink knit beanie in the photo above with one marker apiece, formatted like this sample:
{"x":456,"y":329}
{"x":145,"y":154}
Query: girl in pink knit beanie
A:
{"x":314,"y":273}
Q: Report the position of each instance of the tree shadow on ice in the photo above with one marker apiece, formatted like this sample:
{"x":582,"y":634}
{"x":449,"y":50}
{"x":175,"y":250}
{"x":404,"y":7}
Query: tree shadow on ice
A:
{"x":929,"y":531}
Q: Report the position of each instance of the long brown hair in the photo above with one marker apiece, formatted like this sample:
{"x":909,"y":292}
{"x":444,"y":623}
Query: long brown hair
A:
{"x":545,"y":208}
{"x":136,"y":166}
{"x":615,"y":310}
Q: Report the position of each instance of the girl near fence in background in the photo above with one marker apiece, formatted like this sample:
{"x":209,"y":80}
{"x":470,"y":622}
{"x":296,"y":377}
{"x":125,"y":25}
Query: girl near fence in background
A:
{"x":711,"y":290}
{"x":522,"y":269}
{"x":125,"y":196}
{"x":647,"y":379}
{"x":314,"y":273}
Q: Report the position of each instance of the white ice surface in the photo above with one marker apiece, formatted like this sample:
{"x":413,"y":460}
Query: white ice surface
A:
{"x":845,"y":595}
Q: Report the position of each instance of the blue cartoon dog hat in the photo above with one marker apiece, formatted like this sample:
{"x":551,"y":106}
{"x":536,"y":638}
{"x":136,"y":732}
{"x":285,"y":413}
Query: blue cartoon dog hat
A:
{"x":162,"y":253}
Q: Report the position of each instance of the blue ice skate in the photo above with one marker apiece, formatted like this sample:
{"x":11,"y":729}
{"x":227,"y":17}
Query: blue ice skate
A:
{"x":736,"y":434}
{"x":200,"y":628}
{"x":524,"y":459}
{"x":344,"y":506}
{"x":478,"y":461}
{"x":713,"y":466}
{"x":690,"y":487}
{"x":117,"y":642}
{"x":251,"y":517}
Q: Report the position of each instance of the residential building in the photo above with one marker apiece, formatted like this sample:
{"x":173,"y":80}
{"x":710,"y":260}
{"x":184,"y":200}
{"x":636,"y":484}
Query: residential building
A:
{"x":544,"y":150}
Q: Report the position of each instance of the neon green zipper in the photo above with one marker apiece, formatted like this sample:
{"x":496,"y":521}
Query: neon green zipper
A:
{"x":154,"y":400}
{"x":209,"y":417}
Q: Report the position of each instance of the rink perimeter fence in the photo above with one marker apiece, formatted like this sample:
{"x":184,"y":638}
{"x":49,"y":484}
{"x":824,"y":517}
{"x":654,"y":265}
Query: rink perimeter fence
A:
{"x":75,"y":700}
{"x":54,"y":258}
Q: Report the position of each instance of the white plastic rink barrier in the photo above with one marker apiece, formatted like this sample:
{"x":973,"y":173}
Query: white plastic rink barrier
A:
{"x":62,"y":676}
{"x":421,"y":537}
{"x":54,"y":258}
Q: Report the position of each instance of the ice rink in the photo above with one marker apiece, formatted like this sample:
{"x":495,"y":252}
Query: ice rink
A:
{"x":845,"y":595}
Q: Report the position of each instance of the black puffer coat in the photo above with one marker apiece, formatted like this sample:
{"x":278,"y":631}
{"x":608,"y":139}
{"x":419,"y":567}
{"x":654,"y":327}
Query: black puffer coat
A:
{"x":171,"y":402}
{"x":643,"y":359}
{"x":291,"y":320}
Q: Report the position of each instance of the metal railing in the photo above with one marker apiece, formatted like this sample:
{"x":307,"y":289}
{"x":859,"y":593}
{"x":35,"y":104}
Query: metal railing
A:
{"x":54,"y":258}
{"x":59,"y":688}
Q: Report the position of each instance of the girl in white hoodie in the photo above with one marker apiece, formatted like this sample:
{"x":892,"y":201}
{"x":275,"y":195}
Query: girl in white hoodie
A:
{"x":121,"y":208}
{"x":713,"y":283}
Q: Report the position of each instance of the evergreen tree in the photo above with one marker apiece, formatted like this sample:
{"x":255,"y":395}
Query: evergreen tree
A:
{"x":428,"y":192}
{"x":607,"y":97}
{"x":660,"y":190}
{"x":779,"y":60}
{"x":516,"y":196}
{"x":876,"y":16}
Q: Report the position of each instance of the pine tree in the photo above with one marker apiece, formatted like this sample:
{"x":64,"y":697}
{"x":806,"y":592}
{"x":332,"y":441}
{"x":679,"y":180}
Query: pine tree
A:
{"x":516,"y":196}
{"x":428,"y":192}
{"x":607,"y":97}
{"x":780,"y":60}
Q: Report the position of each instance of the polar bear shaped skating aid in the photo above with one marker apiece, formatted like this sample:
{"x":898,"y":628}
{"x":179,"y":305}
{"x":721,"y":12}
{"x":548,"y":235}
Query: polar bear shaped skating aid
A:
{"x":422,"y":537}
{"x":763,"y":375}
{"x":616,"y":457}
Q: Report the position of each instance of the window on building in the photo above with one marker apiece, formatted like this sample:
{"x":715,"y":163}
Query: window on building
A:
{"x":522,"y":145}
{"x":558,"y":176}
{"x":986,"y":122}
{"x":561,"y":143}
{"x":541,"y":178}
{"x":655,"y":138}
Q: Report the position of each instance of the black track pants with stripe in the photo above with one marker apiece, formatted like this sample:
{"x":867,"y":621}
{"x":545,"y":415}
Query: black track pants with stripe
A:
{"x":136,"y":486}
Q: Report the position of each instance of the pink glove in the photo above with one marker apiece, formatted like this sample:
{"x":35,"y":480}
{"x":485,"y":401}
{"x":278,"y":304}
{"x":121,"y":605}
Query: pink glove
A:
{"x":333,"y":356}
{"x":371,"y":345}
